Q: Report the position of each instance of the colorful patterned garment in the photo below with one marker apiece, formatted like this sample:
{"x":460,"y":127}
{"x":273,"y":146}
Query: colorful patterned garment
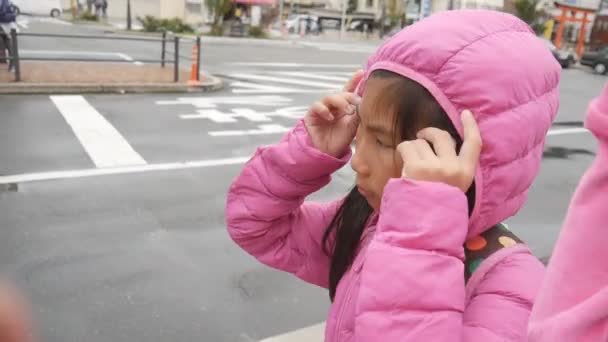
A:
{"x":479,"y":248}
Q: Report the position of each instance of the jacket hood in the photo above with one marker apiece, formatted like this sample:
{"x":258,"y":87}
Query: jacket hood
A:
{"x":492,"y":64}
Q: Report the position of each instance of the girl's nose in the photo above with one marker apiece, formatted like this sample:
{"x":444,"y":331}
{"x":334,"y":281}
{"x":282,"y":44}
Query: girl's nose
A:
{"x":358,"y":163}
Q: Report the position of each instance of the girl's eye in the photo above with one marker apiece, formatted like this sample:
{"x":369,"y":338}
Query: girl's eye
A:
{"x":381,"y":144}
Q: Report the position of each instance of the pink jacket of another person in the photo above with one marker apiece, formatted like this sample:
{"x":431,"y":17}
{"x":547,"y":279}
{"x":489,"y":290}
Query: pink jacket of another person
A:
{"x":573,"y":303}
{"x":407,"y":282}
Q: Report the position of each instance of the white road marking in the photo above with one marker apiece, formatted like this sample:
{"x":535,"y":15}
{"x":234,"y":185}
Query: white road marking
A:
{"x":562,"y":131}
{"x":134,"y":26}
{"x":53,"y":21}
{"x":212,"y":102}
{"x":211,"y":114}
{"x":128,"y":58}
{"x":104,"y":144}
{"x":341,"y":47}
{"x":217,"y":116}
{"x":310,"y":334}
{"x":262,"y":130}
{"x":286,"y":80}
{"x":297,"y":65}
{"x":82,"y":53}
{"x":23,"y":24}
{"x":313,"y":76}
{"x":69,"y":52}
{"x":250,"y":115}
{"x":56,"y":175}
{"x":255,"y":88}
{"x":308,"y":91}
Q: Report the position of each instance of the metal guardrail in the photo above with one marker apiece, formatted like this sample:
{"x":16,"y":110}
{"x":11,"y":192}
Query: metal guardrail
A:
{"x":15,"y":59}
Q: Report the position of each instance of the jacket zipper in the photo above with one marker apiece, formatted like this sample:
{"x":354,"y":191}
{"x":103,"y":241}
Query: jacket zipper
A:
{"x":356,"y":273}
{"x":345,"y":302}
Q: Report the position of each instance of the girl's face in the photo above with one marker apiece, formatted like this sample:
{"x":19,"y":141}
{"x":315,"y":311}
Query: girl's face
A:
{"x":376,"y":159}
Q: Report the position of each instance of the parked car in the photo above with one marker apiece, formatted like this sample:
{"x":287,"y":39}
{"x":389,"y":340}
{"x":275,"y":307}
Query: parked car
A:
{"x":361,"y":25}
{"x":38,"y":7}
{"x":565,"y":58}
{"x":598,"y":60}
{"x":298,"y":23}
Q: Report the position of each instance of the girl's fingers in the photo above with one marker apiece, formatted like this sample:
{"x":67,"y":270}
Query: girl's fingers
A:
{"x":424,"y":149}
{"x":409,"y":155}
{"x":339,"y":104}
{"x":320,"y":110}
{"x":352,"y":98}
{"x":352,"y":84}
{"x":443,"y":143}
{"x":471,"y":146}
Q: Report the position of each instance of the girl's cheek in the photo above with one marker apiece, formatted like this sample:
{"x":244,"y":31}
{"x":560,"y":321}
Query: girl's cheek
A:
{"x":394,"y":163}
{"x":397,"y":163}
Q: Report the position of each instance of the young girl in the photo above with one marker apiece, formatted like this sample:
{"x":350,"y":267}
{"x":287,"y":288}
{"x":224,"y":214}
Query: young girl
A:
{"x":573,"y":302}
{"x":392,"y":252}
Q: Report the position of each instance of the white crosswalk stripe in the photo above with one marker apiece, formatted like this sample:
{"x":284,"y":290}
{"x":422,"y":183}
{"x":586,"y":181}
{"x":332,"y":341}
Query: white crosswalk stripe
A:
{"x":25,"y":21}
{"x":358,"y":48}
{"x":317,"y":76}
{"x":258,"y":77}
{"x":104,"y":144}
{"x":278,"y":79}
{"x":294,"y":65}
{"x":254,"y":88}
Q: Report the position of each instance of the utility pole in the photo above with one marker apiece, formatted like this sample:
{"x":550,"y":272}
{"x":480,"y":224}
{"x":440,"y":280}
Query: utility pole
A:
{"x":129,"y":15}
{"x":204,"y":13}
{"x":382,"y":17}
{"x":343,"y":20}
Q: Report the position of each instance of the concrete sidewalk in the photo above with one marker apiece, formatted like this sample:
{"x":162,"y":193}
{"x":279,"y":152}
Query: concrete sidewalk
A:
{"x":61,"y":77}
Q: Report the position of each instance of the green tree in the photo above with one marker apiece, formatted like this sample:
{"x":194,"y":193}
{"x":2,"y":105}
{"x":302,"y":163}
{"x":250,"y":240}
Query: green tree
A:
{"x":527,"y":10}
{"x":219,"y":8}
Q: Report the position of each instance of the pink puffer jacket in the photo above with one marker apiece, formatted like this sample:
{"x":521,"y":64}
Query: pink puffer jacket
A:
{"x":573,"y":305}
{"x":407,"y":281}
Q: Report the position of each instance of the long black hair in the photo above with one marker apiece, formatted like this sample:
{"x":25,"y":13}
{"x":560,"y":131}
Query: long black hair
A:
{"x":415,"y":109}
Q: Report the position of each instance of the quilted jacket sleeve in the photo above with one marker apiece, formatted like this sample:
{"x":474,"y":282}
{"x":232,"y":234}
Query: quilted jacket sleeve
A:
{"x":266,"y":214}
{"x":573,"y":303}
{"x":412,"y":282}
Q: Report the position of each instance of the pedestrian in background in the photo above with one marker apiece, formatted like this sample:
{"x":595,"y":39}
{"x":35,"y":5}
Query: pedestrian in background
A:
{"x":416,"y":251}
{"x":8,"y":19}
{"x":98,"y":8}
{"x":105,"y":8}
{"x":573,"y":301}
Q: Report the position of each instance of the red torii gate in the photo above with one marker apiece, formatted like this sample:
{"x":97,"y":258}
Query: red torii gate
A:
{"x":572,"y":18}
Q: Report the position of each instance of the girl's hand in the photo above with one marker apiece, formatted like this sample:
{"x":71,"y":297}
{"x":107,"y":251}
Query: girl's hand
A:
{"x":443,"y":165}
{"x":332,"y":122}
{"x":15,"y":325}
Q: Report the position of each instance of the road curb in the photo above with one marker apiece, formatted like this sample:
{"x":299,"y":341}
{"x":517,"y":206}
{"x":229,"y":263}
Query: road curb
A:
{"x":219,"y":40}
{"x":213,"y":84}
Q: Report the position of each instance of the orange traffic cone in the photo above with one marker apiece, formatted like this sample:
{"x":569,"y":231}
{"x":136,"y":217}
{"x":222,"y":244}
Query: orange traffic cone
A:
{"x":194,"y":77}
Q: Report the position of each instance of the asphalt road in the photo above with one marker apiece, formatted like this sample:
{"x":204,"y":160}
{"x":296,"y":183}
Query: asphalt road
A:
{"x":142,"y":254}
